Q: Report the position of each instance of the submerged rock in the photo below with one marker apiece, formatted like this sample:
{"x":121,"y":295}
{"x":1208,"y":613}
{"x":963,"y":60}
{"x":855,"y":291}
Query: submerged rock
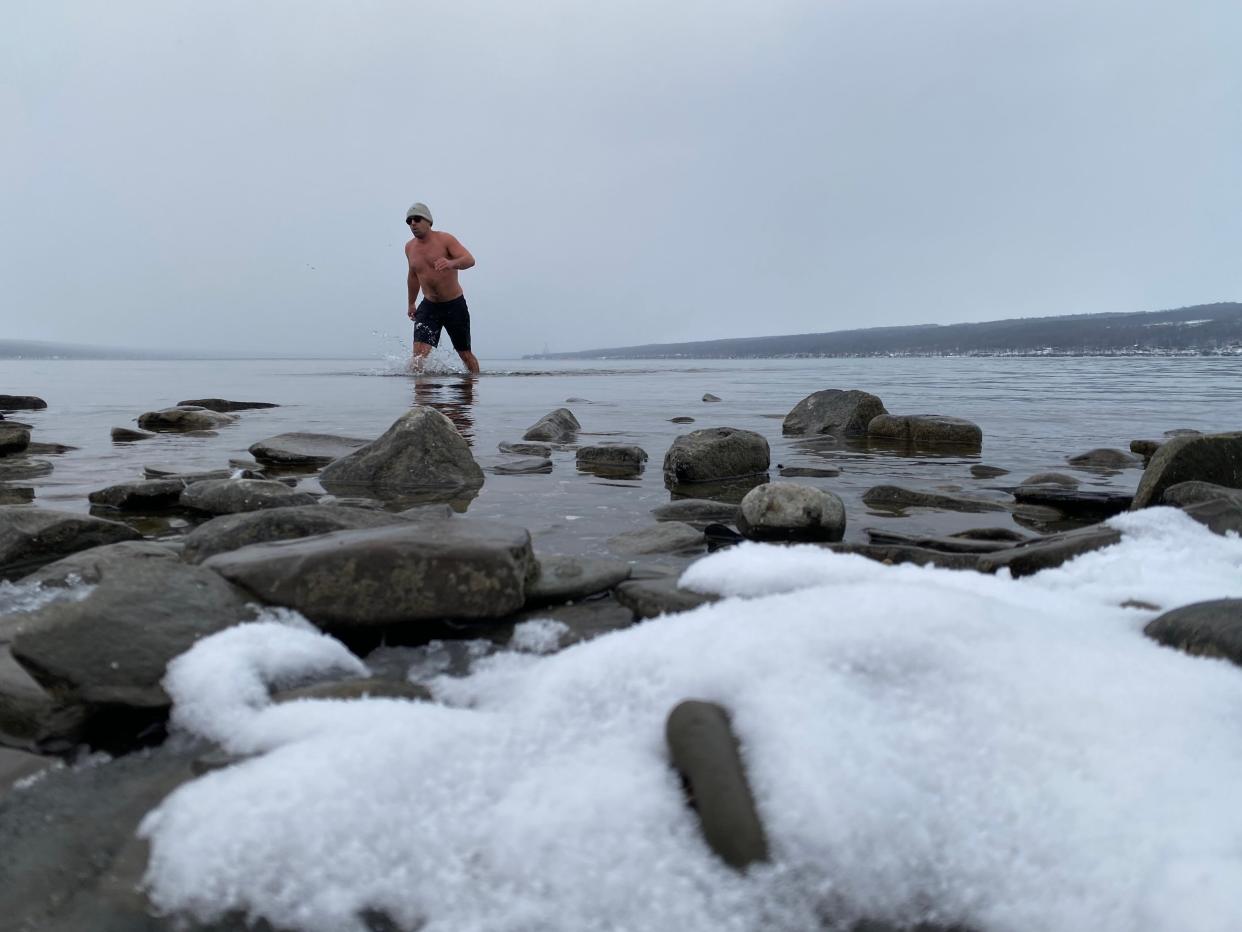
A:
{"x":559,"y":426}
{"x":785,"y":511}
{"x":184,"y":419}
{"x":834,"y":411}
{"x":232,"y":532}
{"x":299,"y":449}
{"x":565,"y":579}
{"x":696,"y":511}
{"x":17,"y":467}
{"x":808,"y":472}
{"x":893,"y":497}
{"x":14,"y":438}
{"x":421,"y":449}
{"x":230,"y":496}
{"x":949,"y":544}
{"x":128,"y":435}
{"x":525,"y":465}
{"x":1215,"y":458}
{"x":926,"y":430}
{"x":33,"y":537}
{"x":710,"y":397}
{"x":1093,"y":505}
{"x":667,"y":537}
{"x":1050,"y":478}
{"x":222,"y":405}
{"x":141,"y":495}
{"x":612,"y":455}
{"x":526,"y":449}
{"x":982,"y":471}
{"x":716,"y":454}
{"x":418,"y":571}
{"x":1105,"y":458}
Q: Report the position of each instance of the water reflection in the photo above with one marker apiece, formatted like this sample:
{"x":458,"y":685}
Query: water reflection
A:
{"x":452,"y":396}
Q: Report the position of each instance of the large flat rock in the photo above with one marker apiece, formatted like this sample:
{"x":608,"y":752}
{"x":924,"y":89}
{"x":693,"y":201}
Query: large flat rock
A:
{"x":424,"y":570}
{"x":232,"y":532}
{"x":224,"y":405}
{"x":33,"y":537}
{"x":422,"y":449}
{"x":304,"y":449}
{"x":232,"y":496}
{"x":112,"y":646}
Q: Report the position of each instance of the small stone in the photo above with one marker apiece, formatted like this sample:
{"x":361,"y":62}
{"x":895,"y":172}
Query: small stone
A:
{"x":559,"y":426}
{"x":541,"y":450}
{"x":184,"y":419}
{"x":667,"y":537}
{"x":21,"y":403}
{"x":304,"y":449}
{"x":1206,"y":629}
{"x":786,"y":511}
{"x":710,"y":397}
{"x":221,"y":405}
{"x":1105,"y":458}
{"x":128,"y":435}
{"x":524,"y":466}
{"x":981,"y":471}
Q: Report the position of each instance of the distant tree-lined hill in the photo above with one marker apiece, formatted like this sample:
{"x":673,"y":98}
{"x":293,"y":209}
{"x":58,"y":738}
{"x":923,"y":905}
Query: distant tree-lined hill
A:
{"x":1203,"y":328}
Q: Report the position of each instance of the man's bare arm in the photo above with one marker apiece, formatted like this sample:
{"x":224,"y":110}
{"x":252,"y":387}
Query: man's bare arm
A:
{"x":459,"y":256}
{"x":412,"y":287}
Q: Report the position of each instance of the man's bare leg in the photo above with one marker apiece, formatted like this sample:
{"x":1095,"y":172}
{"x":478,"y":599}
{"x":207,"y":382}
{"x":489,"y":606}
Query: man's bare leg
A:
{"x":421,"y":352}
{"x":469,"y":359}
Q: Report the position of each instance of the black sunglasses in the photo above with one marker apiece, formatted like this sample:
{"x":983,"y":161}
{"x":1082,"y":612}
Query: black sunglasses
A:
{"x":414,"y":219}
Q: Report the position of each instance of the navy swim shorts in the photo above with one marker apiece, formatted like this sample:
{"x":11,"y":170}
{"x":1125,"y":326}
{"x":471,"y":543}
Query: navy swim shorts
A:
{"x":453,"y":316}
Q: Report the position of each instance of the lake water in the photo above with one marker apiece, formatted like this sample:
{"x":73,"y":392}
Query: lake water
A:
{"x":1034,"y":412}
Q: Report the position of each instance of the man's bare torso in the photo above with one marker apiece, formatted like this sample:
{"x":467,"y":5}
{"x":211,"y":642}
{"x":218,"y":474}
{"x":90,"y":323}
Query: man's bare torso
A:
{"x":422,"y":254}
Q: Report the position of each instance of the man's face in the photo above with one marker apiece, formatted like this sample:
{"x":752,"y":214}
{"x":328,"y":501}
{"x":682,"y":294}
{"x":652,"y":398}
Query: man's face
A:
{"x":419,"y":226}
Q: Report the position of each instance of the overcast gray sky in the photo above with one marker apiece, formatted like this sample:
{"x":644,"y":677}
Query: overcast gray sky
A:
{"x":233,"y":174}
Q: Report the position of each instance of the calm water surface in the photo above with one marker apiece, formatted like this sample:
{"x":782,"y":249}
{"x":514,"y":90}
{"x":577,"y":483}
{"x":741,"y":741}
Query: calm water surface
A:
{"x":1033,"y":412}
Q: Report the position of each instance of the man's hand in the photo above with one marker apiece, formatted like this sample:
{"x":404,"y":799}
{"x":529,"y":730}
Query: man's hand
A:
{"x":443,"y":264}
{"x":412,"y":311}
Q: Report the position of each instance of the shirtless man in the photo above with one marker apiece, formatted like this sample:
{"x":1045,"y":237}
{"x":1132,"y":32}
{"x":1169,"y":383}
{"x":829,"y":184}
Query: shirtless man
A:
{"x":435,"y":259}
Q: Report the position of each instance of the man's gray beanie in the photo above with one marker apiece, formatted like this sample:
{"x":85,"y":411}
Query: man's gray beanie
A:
{"x":418,"y":209}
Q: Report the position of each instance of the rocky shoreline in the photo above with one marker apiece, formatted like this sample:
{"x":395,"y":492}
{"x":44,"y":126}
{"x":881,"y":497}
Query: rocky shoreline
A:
{"x":385,"y":560}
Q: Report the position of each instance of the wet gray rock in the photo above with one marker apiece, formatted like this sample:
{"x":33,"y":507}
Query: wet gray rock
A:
{"x":1192,"y":493}
{"x":298,"y":449}
{"x":176,"y":472}
{"x":559,"y":426}
{"x":184,"y":419}
{"x":808,"y":472}
{"x":1051,"y":478}
{"x":90,"y":566}
{"x":1046,"y":552}
{"x":991,"y":533}
{"x":523,"y":466}
{"x":704,"y":750}
{"x":367,"y":688}
{"x":612,"y":455}
{"x":111,"y":647}
{"x":21,"y":403}
{"x":896,"y":554}
{"x":926,"y":430}
{"x":77,"y":864}
{"x":567,"y":579}
{"x":33,"y":537}
{"x":526,"y":449}
{"x":894,"y":497}
{"x":16,"y":765}
{"x":1105,"y":458}
{"x":715,"y":454}
{"x":232,"y":532}
{"x":786,"y":511}
{"x":585,"y":619}
{"x":422,"y":449}
{"x":1215,"y":458}
{"x":30,"y":717}
{"x":141,"y":495}
{"x":14,"y":438}
{"x":1090,"y":505}
{"x":48,"y":449}
{"x":833,"y":411}
{"x":666,"y":537}
{"x":681,"y":420}
{"x":1206,"y":629}
{"x":982,"y":471}
{"x":949,"y":544}
{"x":710,"y":397}
{"x":650,"y":598}
{"x":128,"y":435}
{"x":1145,"y":448}
{"x":697,"y":511}
{"x":16,"y":495}
{"x":232,"y":496}
{"x":222,"y":405}
{"x":13,"y":468}
{"x":419,"y":571}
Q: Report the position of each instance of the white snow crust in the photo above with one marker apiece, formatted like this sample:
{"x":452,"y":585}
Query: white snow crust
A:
{"x":922,"y":744}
